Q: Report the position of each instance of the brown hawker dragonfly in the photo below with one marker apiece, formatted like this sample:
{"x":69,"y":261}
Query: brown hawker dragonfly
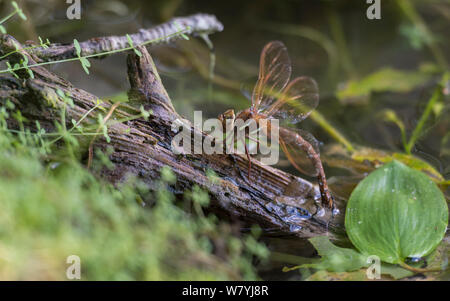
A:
{"x":274,"y":97}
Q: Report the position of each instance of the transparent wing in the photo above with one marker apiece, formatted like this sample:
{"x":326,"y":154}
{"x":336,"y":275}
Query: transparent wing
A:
{"x":274,"y":73}
{"x":296,"y":152}
{"x":299,"y":99}
{"x":247,"y":87}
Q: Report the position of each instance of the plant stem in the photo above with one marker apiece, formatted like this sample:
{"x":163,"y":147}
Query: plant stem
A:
{"x":8,"y":17}
{"x":339,"y":37}
{"x":437,"y":94}
{"x":15,"y":51}
{"x":93,"y":55}
{"x":419,"y":270}
{"x":77,"y":124}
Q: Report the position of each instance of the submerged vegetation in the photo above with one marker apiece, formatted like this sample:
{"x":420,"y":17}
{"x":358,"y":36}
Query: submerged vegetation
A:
{"x":385,"y":124}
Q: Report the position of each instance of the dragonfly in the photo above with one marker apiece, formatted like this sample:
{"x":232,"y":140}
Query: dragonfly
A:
{"x":274,"y":96}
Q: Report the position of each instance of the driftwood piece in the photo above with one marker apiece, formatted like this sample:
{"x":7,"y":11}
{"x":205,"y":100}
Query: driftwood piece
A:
{"x":278,"y":201}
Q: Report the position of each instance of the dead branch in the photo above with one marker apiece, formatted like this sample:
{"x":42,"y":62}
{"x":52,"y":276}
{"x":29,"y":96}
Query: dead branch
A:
{"x":274,"y":199}
{"x":195,"y":25}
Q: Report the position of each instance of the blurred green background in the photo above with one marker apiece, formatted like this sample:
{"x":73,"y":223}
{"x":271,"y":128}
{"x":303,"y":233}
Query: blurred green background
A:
{"x":376,"y":79}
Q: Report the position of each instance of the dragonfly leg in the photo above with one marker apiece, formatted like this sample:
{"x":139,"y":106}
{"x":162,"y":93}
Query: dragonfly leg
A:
{"x":327,"y":199}
{"x":236,"y":165}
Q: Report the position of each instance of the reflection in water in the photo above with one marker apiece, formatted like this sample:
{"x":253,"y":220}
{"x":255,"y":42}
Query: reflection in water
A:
{"x":300,"y":201}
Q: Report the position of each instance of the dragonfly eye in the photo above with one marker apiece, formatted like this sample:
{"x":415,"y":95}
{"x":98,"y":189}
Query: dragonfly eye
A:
{"x":229,"y":114}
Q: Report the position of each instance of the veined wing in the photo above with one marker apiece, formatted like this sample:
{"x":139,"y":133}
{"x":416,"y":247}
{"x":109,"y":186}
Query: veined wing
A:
{"x":296,"y":145}
{"x":274,"y":73}
{"x":299,"y":99}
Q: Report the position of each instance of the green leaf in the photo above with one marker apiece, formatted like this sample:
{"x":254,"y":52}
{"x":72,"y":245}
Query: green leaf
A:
{"x":105,"y":134}
{"x":137,"y":52}
{"x":130,"y":41}
{"x":85,"y":64}
{"x":338,"y":263}
{"x":181,"y":30}
{"x":15,"y":5}
{"x":416,"y":35}
{"x":395,"y":271}
{"x":22,"y":15}
{"x":335,"y":259}
{"x":77,"y":47}
{"x":10,"y":69}
{"x":60,"y":93}
{"x":30,"y":72}
{"x":395,"y":213}
{"x":377,"y":157}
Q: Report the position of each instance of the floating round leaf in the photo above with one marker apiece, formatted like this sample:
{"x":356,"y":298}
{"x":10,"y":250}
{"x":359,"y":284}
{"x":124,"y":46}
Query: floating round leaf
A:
{"x":396,"y":212}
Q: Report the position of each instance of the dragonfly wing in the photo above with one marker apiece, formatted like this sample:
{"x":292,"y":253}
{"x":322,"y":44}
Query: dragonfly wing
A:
{"x":299,"y":99}
{"x":296,"y":152}
{"x":247,"y":86}
{"x":274,"y":73}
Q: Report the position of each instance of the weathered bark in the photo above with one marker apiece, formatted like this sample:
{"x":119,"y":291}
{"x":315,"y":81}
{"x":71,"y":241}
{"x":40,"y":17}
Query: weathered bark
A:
{"x":274,"y":199}
{"x":195,"y":25}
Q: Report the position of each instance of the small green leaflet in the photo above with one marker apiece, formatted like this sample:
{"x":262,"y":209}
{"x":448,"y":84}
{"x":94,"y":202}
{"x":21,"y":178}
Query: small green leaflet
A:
{"x":130,"y":41}
{"x":84,"y":61}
